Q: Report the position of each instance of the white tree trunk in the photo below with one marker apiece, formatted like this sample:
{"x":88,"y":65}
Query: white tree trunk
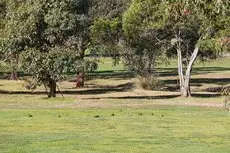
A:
{"x":187,"y":92}
{"x":185,"y":79}
{"x":180,"y":68}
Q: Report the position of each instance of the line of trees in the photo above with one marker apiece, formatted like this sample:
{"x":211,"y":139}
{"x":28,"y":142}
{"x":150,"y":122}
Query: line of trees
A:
{"x":49,"y":38}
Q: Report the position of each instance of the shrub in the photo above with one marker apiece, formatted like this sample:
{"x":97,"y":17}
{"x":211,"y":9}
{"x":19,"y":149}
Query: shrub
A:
{"x":150,"y":82}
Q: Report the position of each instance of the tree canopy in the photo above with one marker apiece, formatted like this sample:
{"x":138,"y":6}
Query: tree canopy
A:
{"x":49,"y":38}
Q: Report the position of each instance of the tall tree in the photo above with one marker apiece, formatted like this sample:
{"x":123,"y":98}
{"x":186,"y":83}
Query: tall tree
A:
{"x":143,"y":46}
{"x":14,"y":32}
{"x":106,"y":29}
{"x":196,"y":27}
{"x":125,"y":34}
{"x":53,"y":34}
{"x":59,"y":40}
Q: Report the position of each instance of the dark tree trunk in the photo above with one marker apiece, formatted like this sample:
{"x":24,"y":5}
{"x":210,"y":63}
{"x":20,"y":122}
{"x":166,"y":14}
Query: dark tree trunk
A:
{"x":52,"y":88}
{"x":80,"y":82}
{"x":14,"y":64}
{"x":13,"y":75}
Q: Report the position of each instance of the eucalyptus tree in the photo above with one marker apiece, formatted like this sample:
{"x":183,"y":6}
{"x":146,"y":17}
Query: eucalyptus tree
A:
{"x":143,"y":46}
{"x":196,"y":27}
{"x":193,"y":28}
{"x":128,"y":35}
{"x":106,"y":30}
{"x":122,"y":32}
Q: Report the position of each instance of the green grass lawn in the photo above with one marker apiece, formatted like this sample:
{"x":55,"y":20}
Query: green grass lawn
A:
{"x":135,"y":121}
{"x":106,"y":64}
{"x":154,"y":130}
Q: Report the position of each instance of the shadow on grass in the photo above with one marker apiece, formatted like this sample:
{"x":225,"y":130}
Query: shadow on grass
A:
{"x":194,"y":95}
{"x":104,"y":91}
{"x":5,"y":75}
{"x":203,"y":95}
{"x":84,"y":91}
{"x":199,"y":81}
{"x":167,"y":72}
{"x":140,"y":97}
{"x":118,"y":75}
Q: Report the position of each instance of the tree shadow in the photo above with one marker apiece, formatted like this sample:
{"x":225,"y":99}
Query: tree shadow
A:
{"x":83,"y":91}
{"x":118,"y":75}
{"x":200,"y":81}
{"x":203,"y":95}
{"x":5,"y":75}
{"x":115,"y":75}
{"x":167,"y":72}
{"x":140,"y":97}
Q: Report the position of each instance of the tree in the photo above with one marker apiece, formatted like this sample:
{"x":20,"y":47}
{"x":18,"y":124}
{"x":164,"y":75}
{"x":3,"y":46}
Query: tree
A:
{"x":192,"y":27}
{"x":125,"y":34}
{"x":50,"y":67}
{"x":131,"y":36}
{"x":196,"y":27}
{"x":106,"y":29}
{"x":51,"y":35}
{"x":143,"y":46}
{"x":14,"y":35}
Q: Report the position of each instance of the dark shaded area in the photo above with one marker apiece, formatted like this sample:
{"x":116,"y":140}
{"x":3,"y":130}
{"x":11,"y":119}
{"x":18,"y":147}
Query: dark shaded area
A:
{"x":197,"y":95}
{"x":5,"y":75}
{"x":126,"y":86}
{"x":111,"y":75}
{"x":167,"y":72}
{"x":201,"y":95}
{"x":141,"y":97}
{"x":171,"y":85}
{"x":104,"y":90}
{"x":218,"y":81}
{"x":199,"y":81}
{"x":117,"y":75}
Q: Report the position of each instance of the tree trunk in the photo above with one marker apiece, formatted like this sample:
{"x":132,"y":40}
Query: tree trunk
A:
{"x":13,"y":75}
{"x":52,"y":88}
{"x":81,"y":76}
{"x":185,"y":80}
{"x":180,"y":68}
{"x":187,"y":91}
{"x":14,"y":63}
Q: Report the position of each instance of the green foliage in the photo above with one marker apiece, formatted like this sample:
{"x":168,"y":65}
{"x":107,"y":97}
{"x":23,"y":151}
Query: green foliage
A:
{"x":143,"y":32}
{"x":19,"y":24}
{"x":106,"y":31}
{"x":143,"y":15}
{"x":52,"y":30}
{"x":53,"y":64}
{"x":209,"y":18}
{"x":52,"y":34}
{"x":107,"y":9}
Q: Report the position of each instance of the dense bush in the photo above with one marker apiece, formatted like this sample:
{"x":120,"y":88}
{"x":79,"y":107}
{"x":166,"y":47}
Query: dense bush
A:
{"x":150,"y":82}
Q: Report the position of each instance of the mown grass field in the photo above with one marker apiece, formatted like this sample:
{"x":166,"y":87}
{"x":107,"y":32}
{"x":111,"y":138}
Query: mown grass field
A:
{"x":112,"y":114}
{"x":152,"y":130}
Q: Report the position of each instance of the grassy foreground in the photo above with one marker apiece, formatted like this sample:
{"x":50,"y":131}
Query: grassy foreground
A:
{"x":156,"y":130}
{"x":112,"y":115}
